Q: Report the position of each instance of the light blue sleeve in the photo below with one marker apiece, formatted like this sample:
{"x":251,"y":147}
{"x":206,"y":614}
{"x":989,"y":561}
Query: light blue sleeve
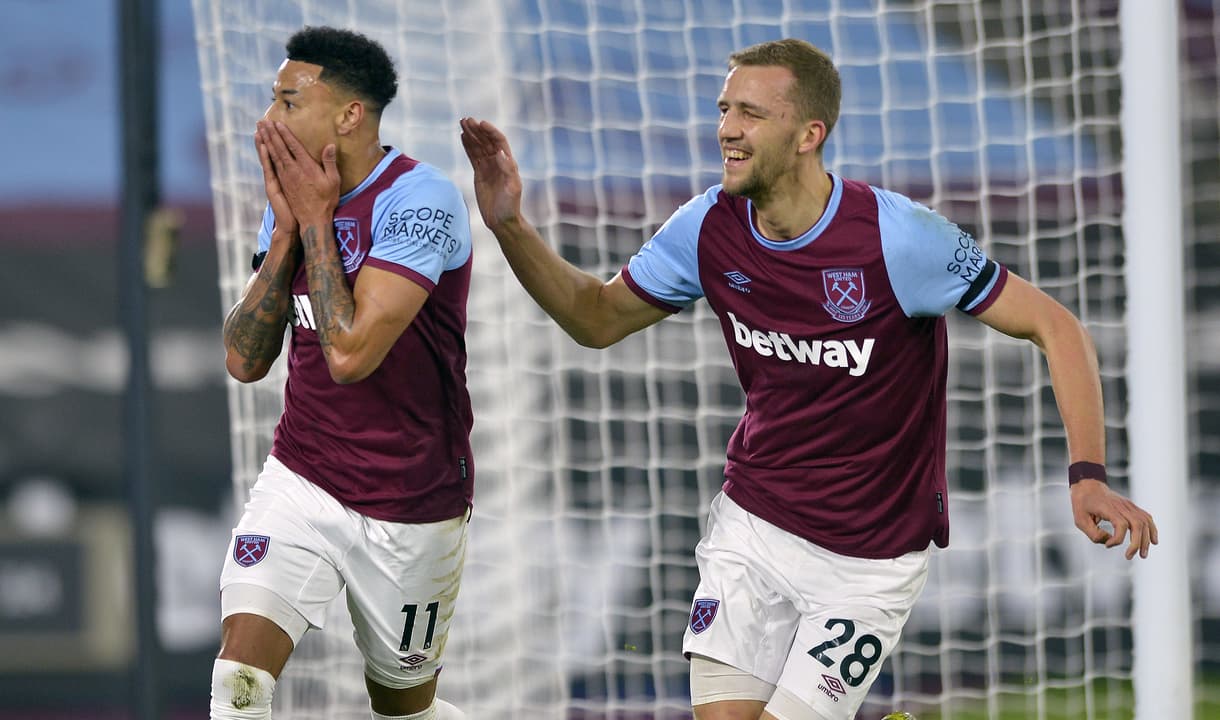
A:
{"x":264,"y":232}
{"x":667,"y":266}
{"x":933,"y":264}
{"x":421,"y":223}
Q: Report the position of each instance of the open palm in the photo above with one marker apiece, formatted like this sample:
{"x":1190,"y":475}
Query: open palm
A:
{"x":497,"y":181}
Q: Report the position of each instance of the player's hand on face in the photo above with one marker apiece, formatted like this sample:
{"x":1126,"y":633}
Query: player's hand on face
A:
{"x":497,"y":181}
{"x":1093,"y":502}
{"x":309,"y":187}
{"x":284,"y":218}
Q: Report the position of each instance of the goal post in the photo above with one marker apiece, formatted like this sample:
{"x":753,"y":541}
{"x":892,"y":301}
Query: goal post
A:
{"x":595,"y":469}
{"x":1160,"y":473}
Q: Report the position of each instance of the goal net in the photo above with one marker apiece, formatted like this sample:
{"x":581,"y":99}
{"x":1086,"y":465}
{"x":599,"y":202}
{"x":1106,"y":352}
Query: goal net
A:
{"x":596,"y":469}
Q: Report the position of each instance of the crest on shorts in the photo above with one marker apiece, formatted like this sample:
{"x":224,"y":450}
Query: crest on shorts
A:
{"x":845,"y":300}
{"x":347,"y":235}
{"x":702,"y":614}
{"x":250,"y":549}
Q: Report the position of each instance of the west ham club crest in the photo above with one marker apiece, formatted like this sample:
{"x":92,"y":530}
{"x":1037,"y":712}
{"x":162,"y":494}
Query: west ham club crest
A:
{"x":250,"y":549}
{"x":702,"y":614}
{"x":845,"y":300}
{"x":347,"y":235}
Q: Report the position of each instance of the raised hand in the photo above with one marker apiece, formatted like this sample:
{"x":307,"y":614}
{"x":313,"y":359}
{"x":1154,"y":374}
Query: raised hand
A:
{"x":497,"y":181}
{"x":284,"y":219}
{"x":1094,"y":501}
{"x":310,"y":188}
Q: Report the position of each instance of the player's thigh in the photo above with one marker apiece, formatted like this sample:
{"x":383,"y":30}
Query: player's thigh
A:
{"x":723,"y":692}
{"x":255,"y":640}
{"x":730,"y":710}
{"x":395,"y":702}
{"x":281,"y":562}
{"x":402,"y":587}
{"x":742,"y":614}
{"x":849,"y":625}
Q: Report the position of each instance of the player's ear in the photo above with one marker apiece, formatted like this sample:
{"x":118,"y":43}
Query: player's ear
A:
{"x":813,"y":138}
{"x":351,"y":116}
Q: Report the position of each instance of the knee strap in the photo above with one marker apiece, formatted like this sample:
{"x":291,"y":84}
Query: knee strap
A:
{"x":240,"y":691}
{"x":439,"y":710}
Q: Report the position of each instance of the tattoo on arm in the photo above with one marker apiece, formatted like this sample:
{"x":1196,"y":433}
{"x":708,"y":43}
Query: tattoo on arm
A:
{"x":254,"y":328}
{"x":333,"y":305}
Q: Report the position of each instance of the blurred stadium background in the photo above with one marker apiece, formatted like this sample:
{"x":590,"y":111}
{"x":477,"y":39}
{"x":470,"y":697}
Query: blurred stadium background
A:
{"x":67,"y":610}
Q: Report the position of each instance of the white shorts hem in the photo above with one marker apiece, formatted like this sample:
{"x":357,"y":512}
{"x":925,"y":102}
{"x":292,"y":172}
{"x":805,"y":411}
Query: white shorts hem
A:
{"x":257,"y":600}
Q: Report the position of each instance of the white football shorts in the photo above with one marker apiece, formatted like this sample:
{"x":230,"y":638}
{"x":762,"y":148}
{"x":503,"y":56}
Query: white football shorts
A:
{"x":815,"y":624}
{"x":298,"y":542}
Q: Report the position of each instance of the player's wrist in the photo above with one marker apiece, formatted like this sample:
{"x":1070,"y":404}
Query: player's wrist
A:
{"x":507,"y":225}
{"x":1083,"y":470}
{"x":319,"y":219}
{"x":284,"y":244}
{"x":286,"y":229}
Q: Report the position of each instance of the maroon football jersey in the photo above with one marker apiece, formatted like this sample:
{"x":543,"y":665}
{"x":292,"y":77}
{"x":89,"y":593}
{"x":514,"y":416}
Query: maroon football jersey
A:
{"x":396,"y":445}
{"x":839,"y":342}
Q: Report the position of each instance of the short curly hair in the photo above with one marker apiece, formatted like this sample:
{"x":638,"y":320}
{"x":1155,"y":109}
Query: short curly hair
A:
{"x":348,"y":60}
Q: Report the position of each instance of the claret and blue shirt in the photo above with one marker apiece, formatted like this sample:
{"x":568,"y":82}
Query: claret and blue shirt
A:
{"x":838,"y":338}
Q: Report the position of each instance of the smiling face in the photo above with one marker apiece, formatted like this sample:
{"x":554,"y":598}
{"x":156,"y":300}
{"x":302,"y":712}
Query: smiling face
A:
{"x":305,"y":104}
{"x":761,"y":134}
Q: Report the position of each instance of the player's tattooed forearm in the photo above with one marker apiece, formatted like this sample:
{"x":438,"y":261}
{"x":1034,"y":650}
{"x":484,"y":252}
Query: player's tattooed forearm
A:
{"x":331,"y":296}
{"x":255,"y":326}
{"x":256,"y":340}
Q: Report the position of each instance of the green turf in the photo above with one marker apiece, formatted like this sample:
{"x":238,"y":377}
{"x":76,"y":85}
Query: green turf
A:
{"x":1111,"y":700}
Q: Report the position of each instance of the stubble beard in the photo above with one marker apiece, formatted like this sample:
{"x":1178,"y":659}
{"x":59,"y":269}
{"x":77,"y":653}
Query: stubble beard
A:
{"x":756,"y":186}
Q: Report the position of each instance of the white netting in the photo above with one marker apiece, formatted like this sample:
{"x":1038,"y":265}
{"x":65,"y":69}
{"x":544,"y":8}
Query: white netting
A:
{"x":1200,"y":50}
{"x":595,"y":469}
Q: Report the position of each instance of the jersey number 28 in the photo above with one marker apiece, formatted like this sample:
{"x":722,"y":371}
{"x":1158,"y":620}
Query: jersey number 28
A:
{"x":853,"y":667}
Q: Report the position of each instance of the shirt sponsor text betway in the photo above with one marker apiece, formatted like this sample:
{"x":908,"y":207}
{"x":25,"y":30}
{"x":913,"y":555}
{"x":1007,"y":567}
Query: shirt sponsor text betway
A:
{"x":831,"y":353}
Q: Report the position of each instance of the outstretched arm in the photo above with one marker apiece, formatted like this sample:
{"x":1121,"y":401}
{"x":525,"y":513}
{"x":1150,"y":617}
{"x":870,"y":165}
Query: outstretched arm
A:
{"x":356,"y":327}
{"x":1024,"y":311}
{"x":594,"y":313}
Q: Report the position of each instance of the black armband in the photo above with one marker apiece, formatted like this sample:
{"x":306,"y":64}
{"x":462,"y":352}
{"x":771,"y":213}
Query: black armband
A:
{"x":1078,"y":471}
{"x":256,"y":262}
{"x":978,"y":286}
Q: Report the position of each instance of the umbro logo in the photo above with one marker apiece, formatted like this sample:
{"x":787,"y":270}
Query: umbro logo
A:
{"x":411,"y":662}
{"x":834,"y":684}
{"x":831,"y":687}
{"x":738,"y":280}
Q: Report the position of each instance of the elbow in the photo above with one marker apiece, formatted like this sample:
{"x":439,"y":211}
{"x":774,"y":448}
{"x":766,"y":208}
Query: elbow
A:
{"x":1065,"y":330}
{"x":596,"y":338}
{"x":1085,"y":336}
{"x":346,"y":378}
{"x":1086,"y":340}
{"x":347,"y":369}
{"x":244,"y":371}
{"x":590,"y":341}
{"x":596,"y":343}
